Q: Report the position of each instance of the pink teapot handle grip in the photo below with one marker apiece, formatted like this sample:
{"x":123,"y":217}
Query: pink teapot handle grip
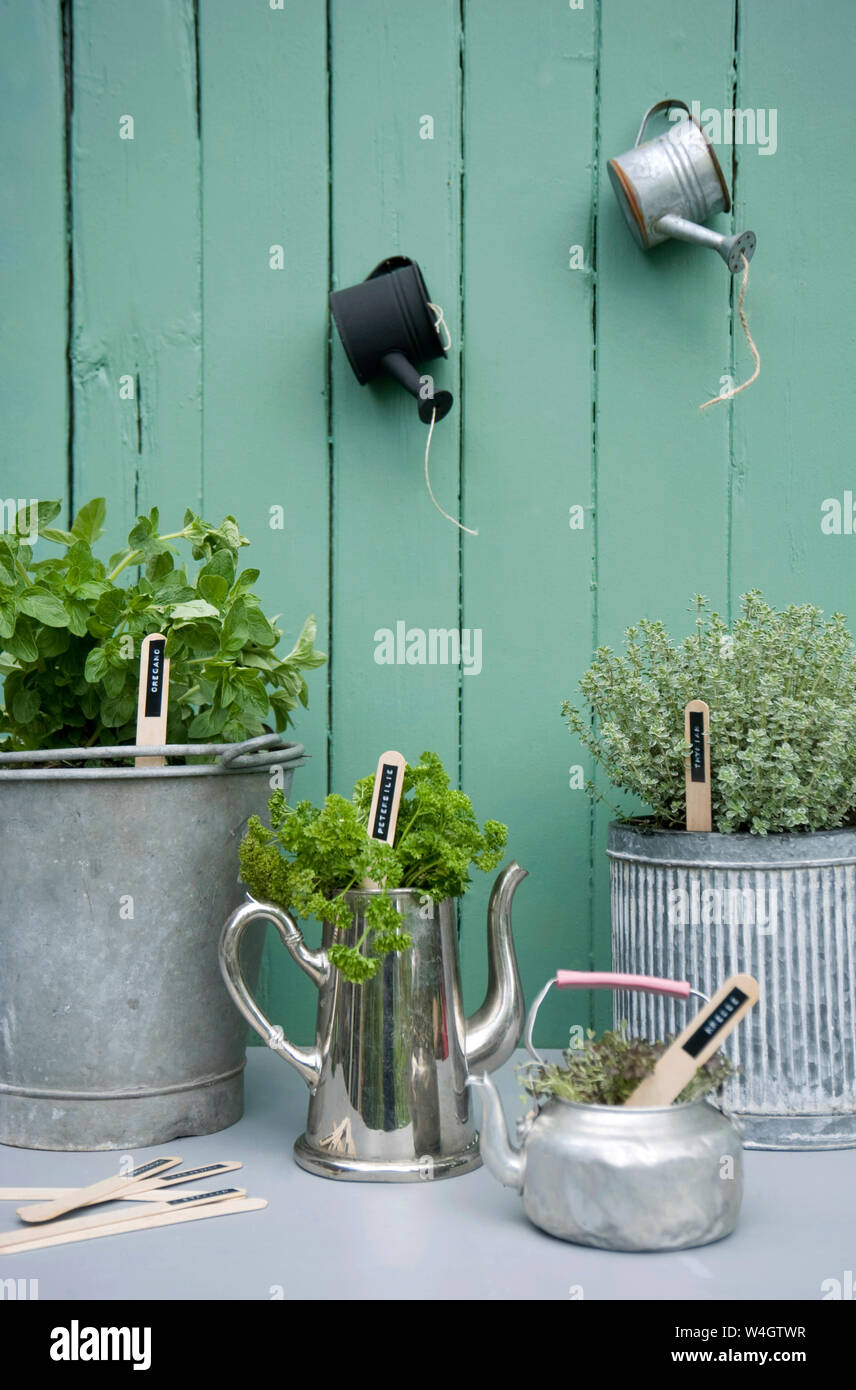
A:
{"x":605,"y":979}
{"x":601,"y":979}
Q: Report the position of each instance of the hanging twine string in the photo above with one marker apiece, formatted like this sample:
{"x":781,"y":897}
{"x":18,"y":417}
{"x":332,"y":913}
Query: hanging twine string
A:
{"x":428,"y":482}
{"x":735,"y":390}
{"x":440,"y":322}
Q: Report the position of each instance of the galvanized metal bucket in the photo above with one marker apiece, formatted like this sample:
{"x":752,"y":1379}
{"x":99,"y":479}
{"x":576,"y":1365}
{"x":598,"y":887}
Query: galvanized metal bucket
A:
{"x":115,"y":1028}
{"x":780,"y":907}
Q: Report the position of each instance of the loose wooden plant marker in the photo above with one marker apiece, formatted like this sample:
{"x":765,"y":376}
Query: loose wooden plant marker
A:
{"x":697,"y":734}
{"x":153,"y":698}
{"x":148,"y":1189}
{"x":138,"y":1221}
{"x":383,"y":816}
{"x":699,"y":1040}
{"x":112,"y":1223}
{"x":105,"y":1191}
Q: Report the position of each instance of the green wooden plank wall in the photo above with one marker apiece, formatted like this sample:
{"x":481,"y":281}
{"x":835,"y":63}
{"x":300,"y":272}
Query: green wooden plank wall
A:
{"x":472,"y":135}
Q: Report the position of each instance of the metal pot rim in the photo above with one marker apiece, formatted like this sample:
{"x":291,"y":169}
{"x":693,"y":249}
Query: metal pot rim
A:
{"x":638,"y":1109}
{"x":692,"y":849}
{"x":356,"y":894}
{"x":251,"y":755}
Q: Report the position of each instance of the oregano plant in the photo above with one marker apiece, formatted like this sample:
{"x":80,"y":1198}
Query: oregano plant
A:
{"x":781,"y":686}
{"x":71,"y":625}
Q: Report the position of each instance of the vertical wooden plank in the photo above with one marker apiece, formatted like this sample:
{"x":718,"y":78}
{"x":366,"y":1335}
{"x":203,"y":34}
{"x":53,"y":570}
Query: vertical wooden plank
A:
{"x":528,"y":149}
{"x":135,"y":206}
{"x":264,"y":170}
{"x":663,"y":344}
{"x":794,"y":429}
{"x":33,"y":404}
{"x":395,"y":560}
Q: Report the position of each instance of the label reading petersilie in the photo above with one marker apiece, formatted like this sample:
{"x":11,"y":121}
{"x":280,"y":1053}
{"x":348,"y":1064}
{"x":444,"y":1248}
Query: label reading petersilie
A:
{"x":697,"y":769}
{"x":715,"y":1022}
{"x":154,"y":680}
{"x":388,"y":779}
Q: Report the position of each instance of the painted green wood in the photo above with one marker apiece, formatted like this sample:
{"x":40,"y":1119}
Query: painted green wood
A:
{"x":794,"y":433}
{"x":528,"y":391}
{"x":136,"y":244}
{"x":663,"y":344}
{"x":573,"y":386}
{"x":395,"y":560}
{"x":265,"y":446}
{"x":33,"y":395}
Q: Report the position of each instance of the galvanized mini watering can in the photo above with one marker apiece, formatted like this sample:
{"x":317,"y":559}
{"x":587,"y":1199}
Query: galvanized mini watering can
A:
{"x":668,"y":186}
{"x":388,"y":1072}
{"x":661,"y":1178}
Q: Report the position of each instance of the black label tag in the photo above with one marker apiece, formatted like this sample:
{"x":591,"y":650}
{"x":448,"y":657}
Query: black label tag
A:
{"x":145,"y":1168}
{"x":388,"y":779}
{"x":206,"y":1196}
{"x":715,"y":1022}
{"x":697,"y":767}
{"x":154,"y":680}
{"x":186,"y":1173}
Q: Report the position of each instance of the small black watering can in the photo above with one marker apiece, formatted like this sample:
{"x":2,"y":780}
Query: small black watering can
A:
{"x":387,"y":325}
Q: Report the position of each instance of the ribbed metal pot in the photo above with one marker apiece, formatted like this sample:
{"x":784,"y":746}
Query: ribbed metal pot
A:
{"x":116,"y":1031}
{"x":702,"y":907}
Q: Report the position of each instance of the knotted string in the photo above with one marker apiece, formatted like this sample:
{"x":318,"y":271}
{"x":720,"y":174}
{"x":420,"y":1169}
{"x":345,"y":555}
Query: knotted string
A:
{"x":735,"y":390}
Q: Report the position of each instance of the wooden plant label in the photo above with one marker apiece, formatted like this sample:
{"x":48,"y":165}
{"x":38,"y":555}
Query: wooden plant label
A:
{"x":697,"y":734}
{"x":386,"y":798}
{"x":153,"y":697}
{"x":103,"y":1191}
{"x":699,"y":1040}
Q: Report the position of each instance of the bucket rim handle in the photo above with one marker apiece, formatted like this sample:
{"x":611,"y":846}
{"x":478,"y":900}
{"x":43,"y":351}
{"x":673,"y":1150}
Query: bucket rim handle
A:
{"x":231,"y":755}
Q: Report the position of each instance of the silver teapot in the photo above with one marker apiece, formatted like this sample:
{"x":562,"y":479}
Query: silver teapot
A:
{"x":620,"y":1178}
{"x":388,"y":1073}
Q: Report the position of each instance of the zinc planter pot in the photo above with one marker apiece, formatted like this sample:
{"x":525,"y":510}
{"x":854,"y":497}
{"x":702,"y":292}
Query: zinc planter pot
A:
{"x":116,"y":1031}
{"x":701,"y":907}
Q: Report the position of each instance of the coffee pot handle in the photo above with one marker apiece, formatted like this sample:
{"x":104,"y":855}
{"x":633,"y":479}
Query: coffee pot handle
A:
{"x":305,"y":1060}
{"x":604,"y":979}
{"x":659,"y":106}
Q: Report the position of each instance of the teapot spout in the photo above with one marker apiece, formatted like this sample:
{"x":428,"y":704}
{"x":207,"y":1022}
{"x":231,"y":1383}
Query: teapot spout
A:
{"x":493,"y":1032}
{"x":507,"y":1164}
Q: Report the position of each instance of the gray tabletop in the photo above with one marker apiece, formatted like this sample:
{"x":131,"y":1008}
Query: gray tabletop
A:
{"x":463,"y":1238}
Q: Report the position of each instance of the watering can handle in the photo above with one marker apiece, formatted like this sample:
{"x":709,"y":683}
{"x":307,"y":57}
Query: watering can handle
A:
{"x":305,"y":1060}
{"x":603,"y":979}
{"x":665,"y":105}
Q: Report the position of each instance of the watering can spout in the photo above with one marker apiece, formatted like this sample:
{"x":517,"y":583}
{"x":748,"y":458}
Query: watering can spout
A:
{"x":494,"y":1031}
{"x":501,"y":1158}
{"x":396,"y":365}
{"x":732,"y":249}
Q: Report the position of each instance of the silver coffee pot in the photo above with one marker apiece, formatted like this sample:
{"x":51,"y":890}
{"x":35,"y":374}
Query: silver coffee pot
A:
{"x":387,"y":1074}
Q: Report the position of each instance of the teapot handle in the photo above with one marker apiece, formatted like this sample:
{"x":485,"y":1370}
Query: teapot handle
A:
{"x":604,"y":979}
{"x":659,"y":106}
{"x":305,"y":1060}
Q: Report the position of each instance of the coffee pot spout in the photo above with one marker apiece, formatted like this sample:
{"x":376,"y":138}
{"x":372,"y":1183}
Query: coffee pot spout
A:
{"x":493,"y":1032}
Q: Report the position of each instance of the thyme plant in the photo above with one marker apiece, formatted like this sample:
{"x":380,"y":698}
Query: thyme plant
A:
{"x":781,"y":687}
{"x":606,"y":1070}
